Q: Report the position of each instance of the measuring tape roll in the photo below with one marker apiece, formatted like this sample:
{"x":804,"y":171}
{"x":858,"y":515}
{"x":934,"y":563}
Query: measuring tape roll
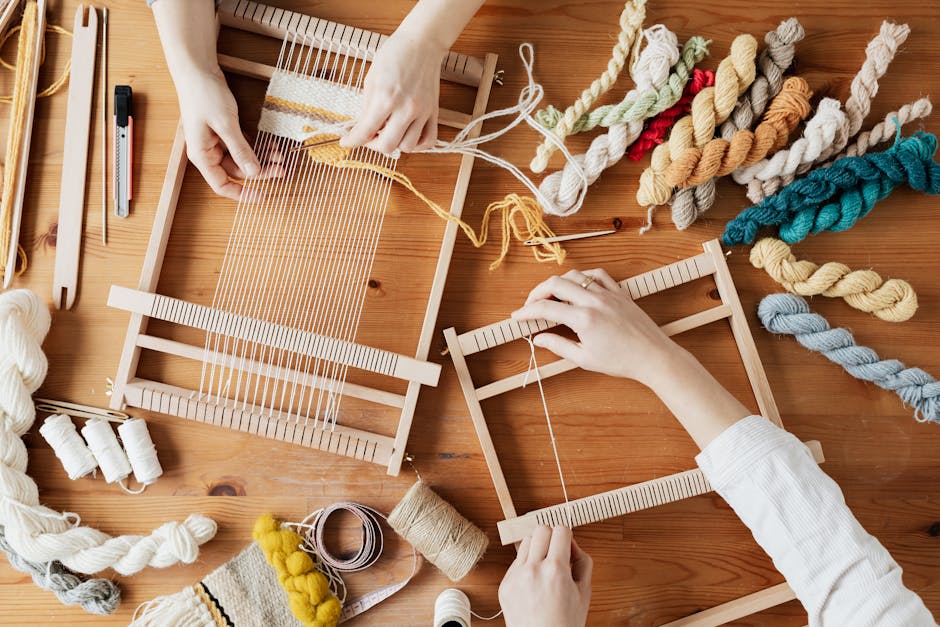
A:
{"x":373,"y":542}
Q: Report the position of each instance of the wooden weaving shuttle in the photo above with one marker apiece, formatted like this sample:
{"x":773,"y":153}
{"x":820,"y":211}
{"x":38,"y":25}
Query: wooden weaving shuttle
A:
{"x":75,"y":159}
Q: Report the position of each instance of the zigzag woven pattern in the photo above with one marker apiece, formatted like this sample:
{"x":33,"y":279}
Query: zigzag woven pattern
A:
{"x":790,"y":314}
{"x":835,"y":198}
{"x":893,"y":300}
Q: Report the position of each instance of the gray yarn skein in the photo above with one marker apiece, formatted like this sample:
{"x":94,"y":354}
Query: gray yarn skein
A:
{"x":790,"y":314}
{"x":690,"y":203}
{"x":97,"y":596}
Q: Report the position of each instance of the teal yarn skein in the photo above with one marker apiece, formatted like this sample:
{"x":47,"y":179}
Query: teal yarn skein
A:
{"x":790,"y":314}
{"x":835,"y":198}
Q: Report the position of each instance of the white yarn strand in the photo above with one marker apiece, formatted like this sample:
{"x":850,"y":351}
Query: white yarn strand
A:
{"x":77,"y":459}
{"x":105,"y":447}
{"x":141,"y":452}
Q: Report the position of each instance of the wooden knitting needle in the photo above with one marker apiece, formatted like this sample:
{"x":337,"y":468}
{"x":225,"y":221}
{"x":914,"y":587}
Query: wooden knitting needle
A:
{"x":567,"y":238}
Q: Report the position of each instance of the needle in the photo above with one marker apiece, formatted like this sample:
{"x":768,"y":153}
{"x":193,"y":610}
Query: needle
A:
{"x":566,"y":238}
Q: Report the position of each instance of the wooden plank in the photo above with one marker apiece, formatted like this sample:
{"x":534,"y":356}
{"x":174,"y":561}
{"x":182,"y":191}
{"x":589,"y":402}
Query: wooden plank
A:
{"x":615,"y":503}
{"x":197,"y":353}
{"x":274,"y":425}
{"x":739,"y":608}
{"x":443,"y":265}
{"x":75,"y":159}
{"x":559,"y":366}
{"x":252,"y":69}
{"x":275,"y":22}
{"x":274,"y":335}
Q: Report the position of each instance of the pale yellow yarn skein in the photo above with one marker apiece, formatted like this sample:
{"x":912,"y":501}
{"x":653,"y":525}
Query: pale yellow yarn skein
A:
{"x":438,"y":531}
{"x":710,"y":107}
{"x":631,"y":23}
{"x":893,"y":300}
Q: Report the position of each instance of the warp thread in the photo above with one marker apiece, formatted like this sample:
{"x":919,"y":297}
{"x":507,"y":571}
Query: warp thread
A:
{"x":636,"y":106}
{"x":893,"y":300}
{"x":720,"y":156}
{"x":96,"y":596}
{"x":837,"y":129}
{"x":77,"y":459}
{"x":651,"y":72}
{"x":308,"y":590}
{"x":41,"y":534}
{"x":711,"y":107}
{"x":688,"y":205}
{"x":790,"y":314}
{"x":438,"y":531}
{"x":631,"y":21}
{"x":835,"y":198}
{"x":657,"y":128}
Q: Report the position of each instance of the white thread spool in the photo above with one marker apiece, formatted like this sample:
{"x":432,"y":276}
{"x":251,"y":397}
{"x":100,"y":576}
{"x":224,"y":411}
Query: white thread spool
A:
{"x":140,"y":450}
{"x":104,"y":445}
{"x":452,"y":609}
{"x":76,"y":457}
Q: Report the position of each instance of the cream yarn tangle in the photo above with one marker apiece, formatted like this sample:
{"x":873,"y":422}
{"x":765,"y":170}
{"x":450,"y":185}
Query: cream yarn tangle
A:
{"x":41,"y":534}
{"x":893,"y":300}
{"x":631,"y":21}
{"x":650,"y":73}
{"x":438,"y":531}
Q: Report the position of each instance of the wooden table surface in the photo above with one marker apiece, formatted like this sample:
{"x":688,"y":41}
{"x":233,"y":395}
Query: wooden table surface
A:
{"x":649,"y":567}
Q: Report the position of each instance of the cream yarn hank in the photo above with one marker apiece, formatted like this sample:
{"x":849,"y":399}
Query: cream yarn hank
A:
{"x":41,"y":534}
{"x":887,"y":129}
{"x":631,"y":21}
{"x":893,"y":300}
{"x":710,"y":107}
{"x":438,"y":531}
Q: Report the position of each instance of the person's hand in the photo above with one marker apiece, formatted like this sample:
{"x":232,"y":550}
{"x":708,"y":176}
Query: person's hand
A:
{"x":214,"y":140}
{"x":549,"y":583}
{"x":400,"y":97}
{"x":615,"y":336}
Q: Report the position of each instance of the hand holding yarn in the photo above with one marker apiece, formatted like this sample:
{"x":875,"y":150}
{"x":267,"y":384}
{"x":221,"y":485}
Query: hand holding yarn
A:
{"x":790,"y":314}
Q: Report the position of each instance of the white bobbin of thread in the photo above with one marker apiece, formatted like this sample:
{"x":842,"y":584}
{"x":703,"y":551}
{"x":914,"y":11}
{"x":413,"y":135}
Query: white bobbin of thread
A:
{"x":104,"y":445}
{"x":140,"y":450}
{"x":76,"y":457}
{"x":452,"y":609}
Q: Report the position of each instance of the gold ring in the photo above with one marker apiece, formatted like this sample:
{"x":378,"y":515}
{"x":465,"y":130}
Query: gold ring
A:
{"x":587,"y":281}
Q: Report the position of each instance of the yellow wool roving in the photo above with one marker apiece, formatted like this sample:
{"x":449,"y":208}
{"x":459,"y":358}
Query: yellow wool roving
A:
{"x":308,"y":590}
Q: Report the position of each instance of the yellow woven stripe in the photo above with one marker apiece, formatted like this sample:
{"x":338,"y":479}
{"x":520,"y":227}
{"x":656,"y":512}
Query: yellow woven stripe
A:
{"x":211,"y":606}
{"x":289,"y":106}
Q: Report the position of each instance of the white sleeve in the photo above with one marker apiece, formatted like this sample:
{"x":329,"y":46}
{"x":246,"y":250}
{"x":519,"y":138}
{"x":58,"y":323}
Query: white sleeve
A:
{"x":840,"y":573}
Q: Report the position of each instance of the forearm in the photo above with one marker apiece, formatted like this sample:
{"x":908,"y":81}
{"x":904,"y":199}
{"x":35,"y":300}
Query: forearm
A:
{"x":188,"y":35}
{"x":701,"y":404}
{"x":439,"y":21}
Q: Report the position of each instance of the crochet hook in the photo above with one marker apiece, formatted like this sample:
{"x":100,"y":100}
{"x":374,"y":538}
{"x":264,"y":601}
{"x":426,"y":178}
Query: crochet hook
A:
{"x":567,"y":238}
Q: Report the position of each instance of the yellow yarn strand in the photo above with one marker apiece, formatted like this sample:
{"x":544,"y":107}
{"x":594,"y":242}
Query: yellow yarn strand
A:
{"x":893,"y":300}
{"x":56,"y":85}
{"x":509,"y":209}
{"x":308,"y":590}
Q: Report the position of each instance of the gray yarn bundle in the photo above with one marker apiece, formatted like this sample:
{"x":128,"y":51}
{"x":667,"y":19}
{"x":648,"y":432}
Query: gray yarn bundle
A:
{"x":97,"y":596}
{"x":790,"y":314}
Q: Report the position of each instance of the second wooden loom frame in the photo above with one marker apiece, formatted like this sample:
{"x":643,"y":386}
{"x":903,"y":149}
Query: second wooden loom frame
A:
{"x":143,"y":303}
{"x":636,"y":497}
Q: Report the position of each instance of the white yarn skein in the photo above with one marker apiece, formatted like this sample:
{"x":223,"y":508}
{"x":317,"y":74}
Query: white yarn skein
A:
{"x":41,"y":534}
{"x":141,"y":452}
{"x":650,"y":73}
{"x":104,"y":446}
{"x":452,"y":609}
{"x":77,"y":459}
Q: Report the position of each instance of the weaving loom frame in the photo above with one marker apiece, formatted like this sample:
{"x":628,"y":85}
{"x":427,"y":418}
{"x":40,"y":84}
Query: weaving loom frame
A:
{"x":128,"y":389}
{"x":711,"y":262}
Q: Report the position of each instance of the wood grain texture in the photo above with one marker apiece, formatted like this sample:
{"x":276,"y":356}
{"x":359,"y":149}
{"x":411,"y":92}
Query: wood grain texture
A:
{"x":651,"y":567}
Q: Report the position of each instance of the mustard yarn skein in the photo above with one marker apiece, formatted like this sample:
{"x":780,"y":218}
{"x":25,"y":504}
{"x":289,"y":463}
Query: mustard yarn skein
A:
{"x":893,"y":300}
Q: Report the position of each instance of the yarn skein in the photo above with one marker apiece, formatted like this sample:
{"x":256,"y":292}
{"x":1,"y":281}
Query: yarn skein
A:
{"x":711,"y":107}
{"x":96,"y":596}
{"x":652,"y":71}
{"x":893,"y":300}
{"x":77,"y":459}
{"x":688,"y":205}
{"x":835,"y":198}
{"x":107,"y":451}
{"x":141,"y":453}
{"x":657,"y":128}
{"x":720,"y":156}
{"x":790,"y":314}
{"x":631,"y":21}
{"x":888,"y":128}
{"x":41,"y":534}
{"x":439,"y":532}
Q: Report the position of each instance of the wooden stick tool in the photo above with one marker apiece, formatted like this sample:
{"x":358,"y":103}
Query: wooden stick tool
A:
{"x":75,"y":158}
